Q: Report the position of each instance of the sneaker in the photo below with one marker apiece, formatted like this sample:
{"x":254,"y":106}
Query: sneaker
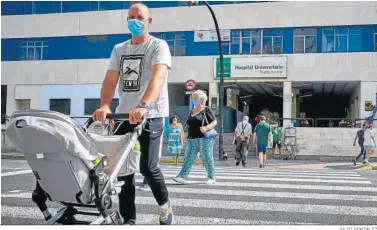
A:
{"x":366,"y":162}
{"x":143,"y":187}
{"x":211,"y":181}
{"x":244,"y":165}
{"x":237,"y":163}
{"x":354,"y":162}
{"x":166,"y":214}
{"x":47,"y":218}
{"x":180,"y":180}
{"x":56,"y":218}
{"x":260,"y":166}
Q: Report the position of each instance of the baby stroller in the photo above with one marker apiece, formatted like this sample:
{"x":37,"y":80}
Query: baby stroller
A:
{"x":64,"y":159}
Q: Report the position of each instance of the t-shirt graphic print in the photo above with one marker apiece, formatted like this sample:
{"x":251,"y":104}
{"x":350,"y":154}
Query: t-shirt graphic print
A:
{"x":132,"y":72}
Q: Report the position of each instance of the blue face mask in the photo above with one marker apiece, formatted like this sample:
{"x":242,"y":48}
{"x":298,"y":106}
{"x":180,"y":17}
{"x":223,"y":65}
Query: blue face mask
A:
{"x":136,"y":27}
{"x":195,"y":102}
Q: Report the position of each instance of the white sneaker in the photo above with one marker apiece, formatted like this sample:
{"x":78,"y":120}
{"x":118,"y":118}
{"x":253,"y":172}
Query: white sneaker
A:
{"x":211,"y":181}
{"x":180,"y":180}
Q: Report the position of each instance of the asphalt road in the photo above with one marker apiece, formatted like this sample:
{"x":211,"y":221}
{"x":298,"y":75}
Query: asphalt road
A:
{"x":252,"y":196}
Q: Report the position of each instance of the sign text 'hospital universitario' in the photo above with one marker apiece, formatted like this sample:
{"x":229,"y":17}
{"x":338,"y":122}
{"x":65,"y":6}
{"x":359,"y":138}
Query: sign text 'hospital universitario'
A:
{"x":253,"y":67}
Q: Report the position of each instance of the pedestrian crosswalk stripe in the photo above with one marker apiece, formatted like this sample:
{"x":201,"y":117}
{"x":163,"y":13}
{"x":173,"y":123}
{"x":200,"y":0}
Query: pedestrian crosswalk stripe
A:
{"x":264,"y":206}
{"x":269,"y":173}
{"x":280,"y":186}
{"x":256,"y":169}
{"x":273,"y":194}
{"x":246,"y":175}
{"x":144,"y":219}
{"x":273,"y":179}
{"x":257,"y":206}
{"x":224,"y":192}
{"x":13,"y":173}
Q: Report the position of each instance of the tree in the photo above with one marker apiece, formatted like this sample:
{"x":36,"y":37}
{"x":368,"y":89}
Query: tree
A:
{"x":272,"y":118}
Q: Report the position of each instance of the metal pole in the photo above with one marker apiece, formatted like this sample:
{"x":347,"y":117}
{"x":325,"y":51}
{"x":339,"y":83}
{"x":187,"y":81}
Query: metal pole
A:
{"x":221,"y":94}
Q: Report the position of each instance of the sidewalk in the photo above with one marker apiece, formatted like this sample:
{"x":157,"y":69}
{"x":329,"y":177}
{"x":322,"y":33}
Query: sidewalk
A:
{"x":253,"y":162}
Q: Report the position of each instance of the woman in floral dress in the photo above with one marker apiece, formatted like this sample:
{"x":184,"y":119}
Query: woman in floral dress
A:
{"x":176,"y":138}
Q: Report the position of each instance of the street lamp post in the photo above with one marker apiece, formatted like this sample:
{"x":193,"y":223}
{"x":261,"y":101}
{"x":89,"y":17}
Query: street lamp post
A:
{"x":221,"y":94}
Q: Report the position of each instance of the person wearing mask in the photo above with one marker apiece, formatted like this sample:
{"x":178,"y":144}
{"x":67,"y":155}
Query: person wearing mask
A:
{"x":276,"y":133}
{"x":262,"y":135}
{"x":139,"y":66}
{"x":242,"y":133}
{"x":176,"y":138}
{"x":201,"y":119}
{"x":360,"y":137}
{"x":368,"y":145}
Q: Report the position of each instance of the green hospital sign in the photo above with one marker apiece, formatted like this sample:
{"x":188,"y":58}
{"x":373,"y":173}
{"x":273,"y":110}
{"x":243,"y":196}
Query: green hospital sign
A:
{"x":226,"y":67}
{"x":253,"y":67}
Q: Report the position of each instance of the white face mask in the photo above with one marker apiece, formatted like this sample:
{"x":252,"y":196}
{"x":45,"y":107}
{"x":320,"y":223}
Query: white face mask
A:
{"x":175,"y":121}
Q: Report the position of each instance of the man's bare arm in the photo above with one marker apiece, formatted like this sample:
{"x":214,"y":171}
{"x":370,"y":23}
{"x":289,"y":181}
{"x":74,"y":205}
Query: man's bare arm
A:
{"x":155,"y":85}
{"x":108,"y":87}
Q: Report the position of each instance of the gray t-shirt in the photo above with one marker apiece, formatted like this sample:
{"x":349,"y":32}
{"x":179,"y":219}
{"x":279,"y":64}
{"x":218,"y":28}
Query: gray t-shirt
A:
{"x":134,"y":64}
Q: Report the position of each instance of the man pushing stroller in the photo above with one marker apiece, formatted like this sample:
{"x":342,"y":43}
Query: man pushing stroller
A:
{"x":140,"y":66}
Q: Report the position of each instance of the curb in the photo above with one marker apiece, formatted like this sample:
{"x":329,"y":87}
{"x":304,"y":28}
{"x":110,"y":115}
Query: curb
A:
{"x":12,"y":156}
{"x":368,"y":168}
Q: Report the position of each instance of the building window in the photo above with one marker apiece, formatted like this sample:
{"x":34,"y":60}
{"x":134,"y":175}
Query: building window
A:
{"x":305,"y":40}
{"x":235,"y":36}
{"x":375,"y":39}
{"x":176,"y":42}
{"x":61,"y":106}
{"x":183,"y":3}
{"x":342,"y":39}
{"x":91,"y":104}
{"x":251,"y":42}
{"x":111,"y":5}
{"x":96,"y":38}
{"x":273,"y":41}
{"x":34,"y":50}
{"x":93,"y":6}
{"x":46,"y":7}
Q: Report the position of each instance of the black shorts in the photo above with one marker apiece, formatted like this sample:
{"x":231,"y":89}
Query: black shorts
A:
{"x":278,"y":143}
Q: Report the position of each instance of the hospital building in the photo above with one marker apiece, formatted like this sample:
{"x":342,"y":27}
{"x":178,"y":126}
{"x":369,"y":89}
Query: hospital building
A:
{"x":301,"y":59}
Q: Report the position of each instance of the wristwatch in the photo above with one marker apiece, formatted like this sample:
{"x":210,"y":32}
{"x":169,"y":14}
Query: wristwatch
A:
{"x":142,"y":105}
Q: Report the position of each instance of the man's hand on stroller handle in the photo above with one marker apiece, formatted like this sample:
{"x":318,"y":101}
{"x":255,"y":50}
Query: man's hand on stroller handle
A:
{"x":101,"y":114}
{"x":137,"y":115}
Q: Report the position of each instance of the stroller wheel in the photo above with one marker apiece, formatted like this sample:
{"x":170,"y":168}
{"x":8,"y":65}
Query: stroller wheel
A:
{"x":116,"y":219}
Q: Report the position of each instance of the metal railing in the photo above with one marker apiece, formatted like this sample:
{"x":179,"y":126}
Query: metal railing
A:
{"x":348,"y":123}
{"x":367,"y":120}
{"x":310,"y":121}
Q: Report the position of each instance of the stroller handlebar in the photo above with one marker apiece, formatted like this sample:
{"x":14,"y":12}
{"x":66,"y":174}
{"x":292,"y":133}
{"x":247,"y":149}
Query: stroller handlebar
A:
{"x":123,"y":116}
{"x":118,"y":116}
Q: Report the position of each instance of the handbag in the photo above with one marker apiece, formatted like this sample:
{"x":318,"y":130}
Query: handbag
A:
{"x":210,"y":134}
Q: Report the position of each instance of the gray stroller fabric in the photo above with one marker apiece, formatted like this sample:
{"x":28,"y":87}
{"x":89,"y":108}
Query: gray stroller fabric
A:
{"x":60,"y":153}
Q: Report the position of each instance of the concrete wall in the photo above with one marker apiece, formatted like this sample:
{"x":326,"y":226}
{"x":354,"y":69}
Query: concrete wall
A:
{"x":24,"y":78}
{"x":266,"y":15}
{"x":323,"y":142}
{"x":368,"y":93}
{"x":300,"y":67}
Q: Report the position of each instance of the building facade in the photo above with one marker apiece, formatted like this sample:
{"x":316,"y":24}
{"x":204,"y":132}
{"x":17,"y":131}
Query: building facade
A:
{"x":55,"y":54}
